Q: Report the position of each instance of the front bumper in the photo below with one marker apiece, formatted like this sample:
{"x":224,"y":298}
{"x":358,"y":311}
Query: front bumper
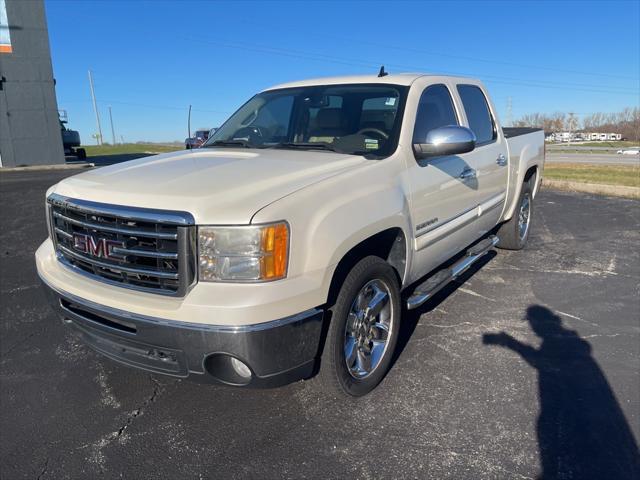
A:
{"x":276,"y":352}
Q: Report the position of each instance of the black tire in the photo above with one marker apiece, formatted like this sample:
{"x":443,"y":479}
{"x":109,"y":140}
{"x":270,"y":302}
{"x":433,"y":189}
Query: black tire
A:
{"x":334,"y":375}
{"x":81,"y":153}
{"x":509,"y":233}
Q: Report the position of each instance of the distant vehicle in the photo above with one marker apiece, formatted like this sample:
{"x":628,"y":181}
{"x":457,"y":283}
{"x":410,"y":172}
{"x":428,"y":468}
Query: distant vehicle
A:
{"x":198,"y":139}
{"x":70,"y":138}
{"x":629,"y":151}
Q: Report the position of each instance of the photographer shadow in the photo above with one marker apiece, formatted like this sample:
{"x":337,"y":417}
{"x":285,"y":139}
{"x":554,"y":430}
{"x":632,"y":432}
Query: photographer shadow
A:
{"x":582,"y":431}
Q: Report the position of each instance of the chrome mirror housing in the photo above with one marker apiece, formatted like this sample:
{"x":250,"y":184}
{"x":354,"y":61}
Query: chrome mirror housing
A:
{"x":450,"y":140}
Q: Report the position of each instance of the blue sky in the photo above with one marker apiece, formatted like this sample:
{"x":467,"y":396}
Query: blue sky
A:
{"x":150,"y":60}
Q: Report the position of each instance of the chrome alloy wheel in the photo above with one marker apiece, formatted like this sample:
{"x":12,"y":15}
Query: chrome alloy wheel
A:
{"x":368,"y":328}
{"x":524,"y":216}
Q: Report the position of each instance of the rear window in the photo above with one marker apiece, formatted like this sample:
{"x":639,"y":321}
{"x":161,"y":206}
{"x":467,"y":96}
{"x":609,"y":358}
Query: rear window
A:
{"x":478,"y":113}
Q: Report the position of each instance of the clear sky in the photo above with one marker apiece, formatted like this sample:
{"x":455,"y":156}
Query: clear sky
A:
{"x":150,"y":60}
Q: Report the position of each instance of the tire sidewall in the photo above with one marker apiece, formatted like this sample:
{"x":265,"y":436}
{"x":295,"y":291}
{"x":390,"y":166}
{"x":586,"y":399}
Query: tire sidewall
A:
{"x":376,"y":270}
{"x":526,"y":190}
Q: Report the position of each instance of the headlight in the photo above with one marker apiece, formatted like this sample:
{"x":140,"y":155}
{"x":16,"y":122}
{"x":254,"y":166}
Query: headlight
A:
{"x":244,"y":253}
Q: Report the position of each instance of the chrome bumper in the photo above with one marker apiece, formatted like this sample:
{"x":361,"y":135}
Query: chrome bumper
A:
{"x":275,"y":352}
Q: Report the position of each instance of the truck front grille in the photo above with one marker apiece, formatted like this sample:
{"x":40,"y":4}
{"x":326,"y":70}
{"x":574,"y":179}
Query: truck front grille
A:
{"x":139,"y":248}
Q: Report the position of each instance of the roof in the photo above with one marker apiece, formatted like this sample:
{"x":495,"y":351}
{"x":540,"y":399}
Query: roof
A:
{"x":392,"y":79}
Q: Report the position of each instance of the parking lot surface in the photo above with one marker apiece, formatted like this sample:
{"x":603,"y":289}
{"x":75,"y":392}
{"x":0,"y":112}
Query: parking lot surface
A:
{"x":556,"y":395}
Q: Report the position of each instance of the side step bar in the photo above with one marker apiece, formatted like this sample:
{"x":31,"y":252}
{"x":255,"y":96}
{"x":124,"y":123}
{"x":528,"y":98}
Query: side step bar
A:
{"x":437,"y":282}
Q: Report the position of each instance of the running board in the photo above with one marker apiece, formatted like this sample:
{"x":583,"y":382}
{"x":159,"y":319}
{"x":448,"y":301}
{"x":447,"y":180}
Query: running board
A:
{"x":437,"y":282}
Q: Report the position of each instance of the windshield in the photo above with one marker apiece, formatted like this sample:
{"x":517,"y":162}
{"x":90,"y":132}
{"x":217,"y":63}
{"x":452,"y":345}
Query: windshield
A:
{"x":355,"y":119}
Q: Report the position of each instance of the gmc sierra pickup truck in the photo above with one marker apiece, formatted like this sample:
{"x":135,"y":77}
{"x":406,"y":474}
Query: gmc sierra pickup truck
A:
{"x":292,"y":241}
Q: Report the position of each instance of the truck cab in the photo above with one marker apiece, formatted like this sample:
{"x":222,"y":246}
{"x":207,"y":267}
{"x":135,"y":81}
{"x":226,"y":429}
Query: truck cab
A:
{"x":295,"y":238}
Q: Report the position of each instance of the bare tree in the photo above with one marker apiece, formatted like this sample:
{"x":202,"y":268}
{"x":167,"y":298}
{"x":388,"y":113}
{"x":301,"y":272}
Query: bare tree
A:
{"x":626,"y":122}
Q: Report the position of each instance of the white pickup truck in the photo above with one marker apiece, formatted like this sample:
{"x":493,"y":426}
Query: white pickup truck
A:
{"x":293,"y":239}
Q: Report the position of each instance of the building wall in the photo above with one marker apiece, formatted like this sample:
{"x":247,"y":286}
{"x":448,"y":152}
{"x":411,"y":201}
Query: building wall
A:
{"x":29,"y":126}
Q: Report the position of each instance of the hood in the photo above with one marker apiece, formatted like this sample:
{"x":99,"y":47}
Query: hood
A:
{"x":217,"y":186}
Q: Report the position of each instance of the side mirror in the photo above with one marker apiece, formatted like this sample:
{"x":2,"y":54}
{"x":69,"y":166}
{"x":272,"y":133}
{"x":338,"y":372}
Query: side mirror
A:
{"x":451,"y":140}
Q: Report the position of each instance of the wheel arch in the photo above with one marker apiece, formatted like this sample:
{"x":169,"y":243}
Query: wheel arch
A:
{"x":389,"y":244}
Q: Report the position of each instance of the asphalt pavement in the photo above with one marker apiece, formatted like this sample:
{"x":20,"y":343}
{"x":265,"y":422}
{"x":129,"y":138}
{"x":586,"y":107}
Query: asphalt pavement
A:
{"x":556,"y":395}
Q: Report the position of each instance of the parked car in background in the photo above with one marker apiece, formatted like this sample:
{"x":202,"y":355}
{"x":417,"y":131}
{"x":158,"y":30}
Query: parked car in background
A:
{"x":198,"y":139}
{"x":70,"y":138}
{"x":296,"y":236}
{"x":629,"y":151}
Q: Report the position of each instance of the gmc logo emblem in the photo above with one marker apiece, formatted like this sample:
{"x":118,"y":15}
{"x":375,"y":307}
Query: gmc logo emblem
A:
{"x":96,"y":247}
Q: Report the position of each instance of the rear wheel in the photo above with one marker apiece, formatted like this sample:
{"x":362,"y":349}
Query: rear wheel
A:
{"x":514,"y":233}
{"x":363,"y":332}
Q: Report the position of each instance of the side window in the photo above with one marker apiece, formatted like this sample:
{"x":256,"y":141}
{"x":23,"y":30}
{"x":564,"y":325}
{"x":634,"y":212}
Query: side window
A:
{"x":478,"y":114}
{"x":435,"y":110}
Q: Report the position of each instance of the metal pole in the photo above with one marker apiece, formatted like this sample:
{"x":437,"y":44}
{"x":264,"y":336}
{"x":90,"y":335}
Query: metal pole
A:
{"x":95,"y":108}
{"x":113,"y":133}
{"x":189,"y":123}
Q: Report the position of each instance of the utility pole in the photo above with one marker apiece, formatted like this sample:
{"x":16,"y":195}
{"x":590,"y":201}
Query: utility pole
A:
{"x":113,"y":133}
{"x":509,"y":112}
{"x":95,"y":108}
{"x":189,"y":123}
{"x":570,"y":125}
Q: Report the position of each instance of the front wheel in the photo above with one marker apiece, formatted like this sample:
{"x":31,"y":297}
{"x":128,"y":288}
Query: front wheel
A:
{"x":363,"y":332}
{"x":514,"y":233}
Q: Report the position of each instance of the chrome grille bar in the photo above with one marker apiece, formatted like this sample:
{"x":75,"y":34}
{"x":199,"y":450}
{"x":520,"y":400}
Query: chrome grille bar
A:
{"x":125,"y":231}
{"x":145,"y":253}
{"x":119,"y":268}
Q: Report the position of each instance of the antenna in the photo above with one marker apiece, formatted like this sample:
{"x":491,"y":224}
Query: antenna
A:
{"x":382,"y":73}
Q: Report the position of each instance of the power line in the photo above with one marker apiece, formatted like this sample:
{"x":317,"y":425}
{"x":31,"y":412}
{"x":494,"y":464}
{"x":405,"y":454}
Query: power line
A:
{"x":308,"y":32}
{"x":371,"y":64}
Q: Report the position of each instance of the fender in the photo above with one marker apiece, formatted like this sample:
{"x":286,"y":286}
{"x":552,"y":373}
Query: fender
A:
{"x":353,"y":207}
{"x":522,"y":162}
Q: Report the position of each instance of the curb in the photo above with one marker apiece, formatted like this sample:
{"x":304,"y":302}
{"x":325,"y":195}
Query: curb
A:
{"x":35,"y":168}
{"x":594,"y":188}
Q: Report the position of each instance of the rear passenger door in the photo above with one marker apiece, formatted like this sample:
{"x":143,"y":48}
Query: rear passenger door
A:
{"x":490,"y":157}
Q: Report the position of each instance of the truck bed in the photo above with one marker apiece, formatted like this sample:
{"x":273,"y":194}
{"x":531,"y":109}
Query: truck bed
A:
{"x":510,"y":132}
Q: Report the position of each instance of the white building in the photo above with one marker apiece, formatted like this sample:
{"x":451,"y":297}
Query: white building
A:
{"x":604,"y":137}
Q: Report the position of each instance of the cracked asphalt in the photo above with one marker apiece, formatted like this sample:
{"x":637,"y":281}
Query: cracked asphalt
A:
{"x":528,"y":367}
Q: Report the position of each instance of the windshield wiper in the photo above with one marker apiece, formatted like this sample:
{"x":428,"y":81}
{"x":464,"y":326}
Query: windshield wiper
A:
{"x":229,"y":143}
{"x":303,"y":145}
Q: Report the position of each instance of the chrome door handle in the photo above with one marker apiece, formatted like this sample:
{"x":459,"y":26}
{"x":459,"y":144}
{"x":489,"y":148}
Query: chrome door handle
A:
{"x":501,"y":160}
{"x":468,"y":173}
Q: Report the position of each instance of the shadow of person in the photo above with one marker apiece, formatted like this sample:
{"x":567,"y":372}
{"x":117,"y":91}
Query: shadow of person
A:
{"x":582,"y":432}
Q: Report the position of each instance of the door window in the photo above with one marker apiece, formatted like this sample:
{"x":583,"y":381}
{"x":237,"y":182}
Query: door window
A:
{"x":478,"y":113}
{"x":435,"y":110}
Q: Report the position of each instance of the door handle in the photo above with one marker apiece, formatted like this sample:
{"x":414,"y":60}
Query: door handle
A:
{"x":501,"y":160}
{"x":468,"y":173}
